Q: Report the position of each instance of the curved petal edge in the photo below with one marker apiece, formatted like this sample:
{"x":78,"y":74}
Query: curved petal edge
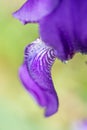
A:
{"x":34,"y":10}
{"x":35,"y":74}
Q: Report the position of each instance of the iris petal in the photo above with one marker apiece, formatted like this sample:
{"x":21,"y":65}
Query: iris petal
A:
{"x":34,"y":10}
{"x":65,"y":29}
{"x":35,"y":74}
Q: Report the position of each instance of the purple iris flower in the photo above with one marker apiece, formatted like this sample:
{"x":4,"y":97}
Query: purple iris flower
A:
{"x":63,"y":32}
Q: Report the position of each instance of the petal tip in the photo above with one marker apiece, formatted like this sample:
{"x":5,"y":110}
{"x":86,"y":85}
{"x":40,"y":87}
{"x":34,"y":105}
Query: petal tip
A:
{"x":49,"y":114}
{"x":52,"y":105}
{"x":15,"y":15}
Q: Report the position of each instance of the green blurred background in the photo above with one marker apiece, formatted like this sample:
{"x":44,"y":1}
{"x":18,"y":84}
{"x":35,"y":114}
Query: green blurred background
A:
{"x":18,"y":111}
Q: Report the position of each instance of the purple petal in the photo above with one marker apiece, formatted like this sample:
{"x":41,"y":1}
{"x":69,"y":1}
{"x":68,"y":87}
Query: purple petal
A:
{"x":30,"y":85}
{"x":34,"y":10}
{"x":65,"y":29}
{"x":36,"y":76}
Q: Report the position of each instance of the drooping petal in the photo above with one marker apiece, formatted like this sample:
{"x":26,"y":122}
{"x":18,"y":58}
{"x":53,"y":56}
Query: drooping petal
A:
{"x":34,"y":10}
{"x":30,"y":85}
{"x":65,"y":29}
{"x":35,"y":74}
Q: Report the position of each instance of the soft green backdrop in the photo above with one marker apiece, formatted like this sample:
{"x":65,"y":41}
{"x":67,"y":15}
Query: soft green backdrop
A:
{"x":18,"y":111}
